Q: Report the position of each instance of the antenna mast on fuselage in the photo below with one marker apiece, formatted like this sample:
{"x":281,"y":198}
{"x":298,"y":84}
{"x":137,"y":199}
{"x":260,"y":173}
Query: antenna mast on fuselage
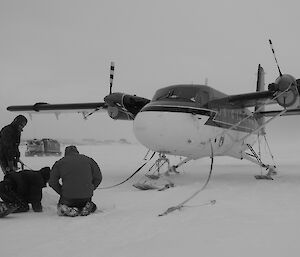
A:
{"x":206,"y":82}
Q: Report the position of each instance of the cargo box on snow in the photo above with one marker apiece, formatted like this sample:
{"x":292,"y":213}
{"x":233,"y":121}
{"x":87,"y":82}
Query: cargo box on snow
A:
{"x":42,"y":147}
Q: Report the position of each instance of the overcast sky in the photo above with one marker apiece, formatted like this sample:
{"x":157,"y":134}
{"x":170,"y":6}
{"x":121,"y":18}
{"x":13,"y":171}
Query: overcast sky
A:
{"x":59,"y":51}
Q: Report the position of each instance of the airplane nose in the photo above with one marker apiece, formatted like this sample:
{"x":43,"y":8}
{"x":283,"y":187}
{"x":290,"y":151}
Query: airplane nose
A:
{"x":169,"y":132}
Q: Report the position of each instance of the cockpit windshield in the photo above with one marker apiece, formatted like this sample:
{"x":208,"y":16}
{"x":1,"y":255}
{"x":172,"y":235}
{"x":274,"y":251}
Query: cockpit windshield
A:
{"x":190,"y":93}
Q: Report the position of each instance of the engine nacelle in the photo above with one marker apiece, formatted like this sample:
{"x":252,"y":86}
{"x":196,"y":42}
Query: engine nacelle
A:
{"x":123,"y":106}
{"x":285,"y":88}
{"x":117,"y":113}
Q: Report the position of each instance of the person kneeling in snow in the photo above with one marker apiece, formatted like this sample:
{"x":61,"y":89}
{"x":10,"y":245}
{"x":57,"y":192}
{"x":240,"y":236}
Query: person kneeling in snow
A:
{"x":19,"y":189}
{"x":80,"y":175}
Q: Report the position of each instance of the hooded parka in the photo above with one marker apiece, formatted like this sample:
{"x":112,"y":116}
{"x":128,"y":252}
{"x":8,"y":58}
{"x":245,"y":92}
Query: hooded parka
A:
{"x":80,"y":175}
{"x":9,"y":143}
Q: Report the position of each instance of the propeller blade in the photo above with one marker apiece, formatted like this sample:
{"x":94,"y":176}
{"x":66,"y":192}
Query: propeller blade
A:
{"x":271,"y":45}
{"x":112,"y":70}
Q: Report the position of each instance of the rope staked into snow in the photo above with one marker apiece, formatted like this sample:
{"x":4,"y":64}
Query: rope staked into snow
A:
{"x":182,"y":204}
{"x":129,"y":176}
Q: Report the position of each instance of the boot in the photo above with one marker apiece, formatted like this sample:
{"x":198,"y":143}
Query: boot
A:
{"x":6,"y":208}
{"x":24,"y":207}
{"x":64,"y":210}
{"x":88,"y":209}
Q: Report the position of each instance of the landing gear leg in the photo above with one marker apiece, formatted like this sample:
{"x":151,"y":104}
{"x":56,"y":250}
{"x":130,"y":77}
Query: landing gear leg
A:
{"x":174,"y":167}
{"x":256,"y":159}
{"x":152,"y":180}
{"x":158,"y":164}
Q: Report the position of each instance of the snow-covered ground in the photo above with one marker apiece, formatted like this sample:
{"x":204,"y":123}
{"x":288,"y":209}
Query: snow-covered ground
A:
{"x":250,"y":218}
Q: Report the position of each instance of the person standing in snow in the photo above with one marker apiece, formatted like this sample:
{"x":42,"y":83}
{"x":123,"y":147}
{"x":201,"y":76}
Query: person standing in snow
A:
{"x":10,"y":136}
{"x":80,"y":175}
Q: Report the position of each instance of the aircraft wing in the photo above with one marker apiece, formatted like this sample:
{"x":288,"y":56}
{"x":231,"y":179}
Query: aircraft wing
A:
{"x":276,"y":112}
{"x":243,"y":100}
{"x":119,"y":106}
{"x":59,"y":108}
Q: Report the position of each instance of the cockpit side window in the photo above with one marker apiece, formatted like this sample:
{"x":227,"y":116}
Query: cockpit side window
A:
{"x":202,"y":97}
{"x":180,"y":93}
{"x":188,"y":93}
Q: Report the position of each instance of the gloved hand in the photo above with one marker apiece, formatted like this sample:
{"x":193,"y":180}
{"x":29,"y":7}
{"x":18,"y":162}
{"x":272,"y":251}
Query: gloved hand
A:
{"x":21,"y":163}
{"x":11,"y":167}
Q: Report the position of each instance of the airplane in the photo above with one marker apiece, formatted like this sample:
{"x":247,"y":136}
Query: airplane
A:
{"x":193,"y":120}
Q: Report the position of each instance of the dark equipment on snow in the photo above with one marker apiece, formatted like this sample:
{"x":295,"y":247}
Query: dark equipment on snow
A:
{"x":43,"y":147}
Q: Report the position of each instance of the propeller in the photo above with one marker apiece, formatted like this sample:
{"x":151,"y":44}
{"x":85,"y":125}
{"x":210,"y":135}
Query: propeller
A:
{"x":285,"y":85}
{"x":284,"y":81}
{"x":272,"y":48}
{"x":112,"y":69}
{"x":111,"y":77}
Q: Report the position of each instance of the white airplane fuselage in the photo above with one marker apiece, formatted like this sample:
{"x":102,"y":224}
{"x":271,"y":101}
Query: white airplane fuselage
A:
{"x":188,"y":132}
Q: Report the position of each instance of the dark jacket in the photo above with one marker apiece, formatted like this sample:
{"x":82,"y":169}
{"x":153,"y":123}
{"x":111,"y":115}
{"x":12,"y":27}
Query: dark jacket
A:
{"x":28,"y":184}
{"x":80,"y":176}
{"x":9,"y":141}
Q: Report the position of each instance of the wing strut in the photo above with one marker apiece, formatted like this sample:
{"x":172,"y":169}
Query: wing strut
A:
{"x":259,"y":128}
{"x":85,"y":116}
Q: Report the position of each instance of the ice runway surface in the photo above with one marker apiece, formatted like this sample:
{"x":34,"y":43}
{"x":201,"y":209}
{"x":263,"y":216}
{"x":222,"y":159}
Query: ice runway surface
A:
{"x":250,"y":218}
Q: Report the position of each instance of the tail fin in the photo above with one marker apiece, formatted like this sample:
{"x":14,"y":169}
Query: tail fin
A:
{"x":260,"y":86}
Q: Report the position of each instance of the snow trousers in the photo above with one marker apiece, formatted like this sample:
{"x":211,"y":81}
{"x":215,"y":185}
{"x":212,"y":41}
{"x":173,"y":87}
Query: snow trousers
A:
{"x":75,"y":207}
